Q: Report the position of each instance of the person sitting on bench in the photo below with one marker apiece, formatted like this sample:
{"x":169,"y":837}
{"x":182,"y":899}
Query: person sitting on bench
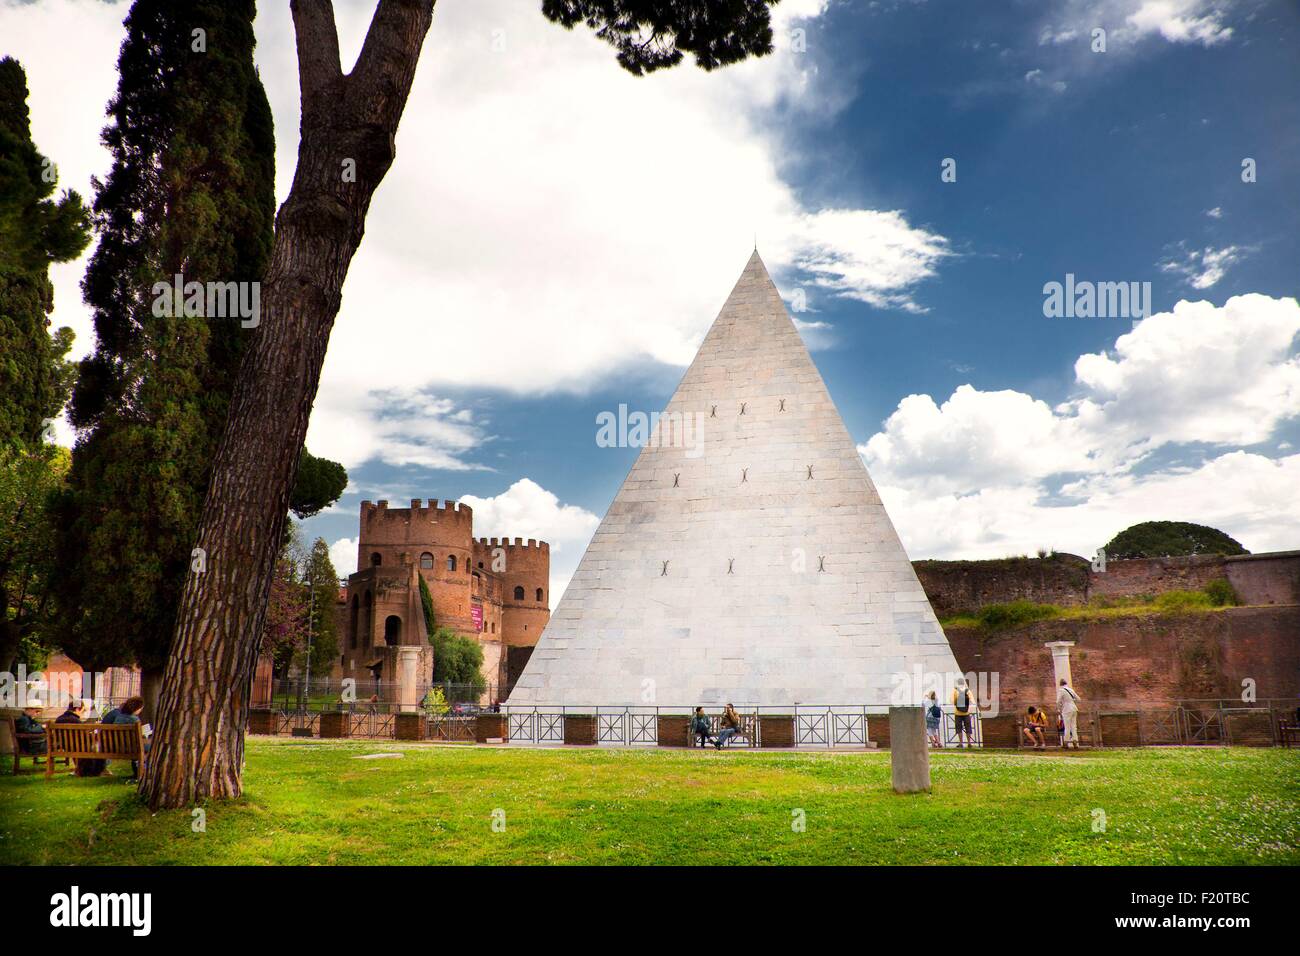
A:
{"x":28,"y":722}
{"x":128,"y":713}
{"x":1035,"y":722}
{"x":701,"y":726}
{"x":730,"y":727}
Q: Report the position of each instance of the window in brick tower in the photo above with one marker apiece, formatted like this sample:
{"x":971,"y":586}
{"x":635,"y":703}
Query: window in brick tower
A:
{"x":451,"y":562}
{"x":426,"y":561}
{"x":519,"y":594}
{"x":539,"y":594}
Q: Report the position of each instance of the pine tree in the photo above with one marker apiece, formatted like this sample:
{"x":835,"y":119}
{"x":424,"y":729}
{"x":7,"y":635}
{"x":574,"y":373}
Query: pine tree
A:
{"x":349,"y":124}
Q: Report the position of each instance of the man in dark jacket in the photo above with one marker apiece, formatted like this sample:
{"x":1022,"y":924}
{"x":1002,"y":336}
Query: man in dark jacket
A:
{"x":28,"y":722}
{"x":701,"y":726}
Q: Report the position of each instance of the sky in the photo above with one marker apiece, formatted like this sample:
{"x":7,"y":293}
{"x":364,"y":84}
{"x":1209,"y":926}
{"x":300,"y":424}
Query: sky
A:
{"x":556,"y":236}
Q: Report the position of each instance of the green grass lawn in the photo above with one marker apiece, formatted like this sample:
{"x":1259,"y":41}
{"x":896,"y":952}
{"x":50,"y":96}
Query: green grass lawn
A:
{"x":315,"y":803}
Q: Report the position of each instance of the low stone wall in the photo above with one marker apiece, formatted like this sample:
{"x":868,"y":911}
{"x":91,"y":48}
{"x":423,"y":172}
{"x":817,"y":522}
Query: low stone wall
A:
{"x":580,"y":729}
{"x":262,"y":722}
{"x":410,"y":726}
{"x":674,"y":731}
{"x":776,"y":730}
{"x":491,"y":726}
{"x":878,"y":730}
{"x":335,"y":724}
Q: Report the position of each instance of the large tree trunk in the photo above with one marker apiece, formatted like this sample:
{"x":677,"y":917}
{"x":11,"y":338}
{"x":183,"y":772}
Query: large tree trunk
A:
{"x":198,"y":744}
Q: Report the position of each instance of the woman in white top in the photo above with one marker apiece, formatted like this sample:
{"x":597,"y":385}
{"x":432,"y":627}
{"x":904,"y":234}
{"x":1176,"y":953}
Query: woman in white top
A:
{"x":1067,"y":702}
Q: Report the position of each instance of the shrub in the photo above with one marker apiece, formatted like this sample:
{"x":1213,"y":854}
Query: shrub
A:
{"x":1013,"y":613}
{"x":1221,"y":593}
{"x":1183,"y":601}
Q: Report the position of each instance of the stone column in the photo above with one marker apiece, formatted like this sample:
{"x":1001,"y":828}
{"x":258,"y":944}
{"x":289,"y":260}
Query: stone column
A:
{"x":408,"y":678}
{"x":1060,"y":662}
{"x":909,"y":750}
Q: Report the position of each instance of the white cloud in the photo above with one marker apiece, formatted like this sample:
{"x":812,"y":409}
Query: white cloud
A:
{"x":1037,"y":78}
{"x":1215,"y":213}
{"x":972,"y":476}
{"x":1203,"y":268}
{"x":1128,"y":22}
{"x":527,"y":510}
{"x":549,"y":221}
{"x":343,"y":555}
{"x":1250,"y":496}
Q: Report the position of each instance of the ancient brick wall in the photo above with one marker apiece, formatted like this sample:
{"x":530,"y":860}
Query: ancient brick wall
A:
{"x":1068,"y":580}
{"x":1265,"y":578}
{"x":954,"y":586}
{"x":1143,"y":658}
{"x":1151,"y":576}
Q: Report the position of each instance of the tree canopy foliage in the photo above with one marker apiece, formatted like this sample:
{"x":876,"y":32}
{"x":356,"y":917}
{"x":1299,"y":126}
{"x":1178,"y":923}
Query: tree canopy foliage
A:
{"x":1168,"y":539}
{"x":651,"y":35}
{"x":36,"y":230}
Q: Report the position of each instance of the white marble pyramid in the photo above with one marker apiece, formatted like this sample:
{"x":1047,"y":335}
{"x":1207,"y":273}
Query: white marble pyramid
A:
{"x":747,"y":557}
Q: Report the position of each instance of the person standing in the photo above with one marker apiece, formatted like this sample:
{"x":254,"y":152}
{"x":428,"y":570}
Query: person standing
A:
{"x":932,"y":717}
{"x":963,"y":703}
{"x":1067,"y":702}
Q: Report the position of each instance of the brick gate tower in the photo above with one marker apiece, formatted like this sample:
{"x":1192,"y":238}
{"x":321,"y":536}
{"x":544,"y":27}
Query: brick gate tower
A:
{"x":494,"y":590}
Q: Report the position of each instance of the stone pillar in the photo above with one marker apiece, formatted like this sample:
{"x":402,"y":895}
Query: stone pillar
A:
{"x":1060,"y":662}
{"x":335,"y":723}
{"x":909,"y":750}
{"x":673,"y":731}
{"x":409,"y":726}
{"x":408,"y":678}
{"x":491,"y":727}
{"x":776,"y":730}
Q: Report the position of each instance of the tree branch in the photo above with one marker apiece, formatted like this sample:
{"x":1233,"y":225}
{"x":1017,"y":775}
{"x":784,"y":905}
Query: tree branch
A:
{"x":318,"y":47}
{"x":386,"y":67}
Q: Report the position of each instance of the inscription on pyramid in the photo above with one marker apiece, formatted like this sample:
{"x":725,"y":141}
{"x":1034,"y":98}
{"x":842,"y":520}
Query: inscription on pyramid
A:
{"x":752,"y":562}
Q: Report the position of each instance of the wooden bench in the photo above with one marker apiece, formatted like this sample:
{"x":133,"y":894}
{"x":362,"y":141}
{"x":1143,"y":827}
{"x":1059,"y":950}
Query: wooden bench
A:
{"x":1051,"y":732}
{"x":94,"y":742}
{"x":748,"y":732}
{"x":37,"y":759}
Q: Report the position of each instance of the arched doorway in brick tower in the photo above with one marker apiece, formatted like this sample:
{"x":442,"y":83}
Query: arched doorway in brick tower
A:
{"x":392,"y":630}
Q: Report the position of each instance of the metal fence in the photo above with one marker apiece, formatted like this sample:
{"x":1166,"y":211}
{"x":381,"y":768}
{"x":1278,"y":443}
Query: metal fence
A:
{"x":826,"y":727}
{"x":293,"y":694}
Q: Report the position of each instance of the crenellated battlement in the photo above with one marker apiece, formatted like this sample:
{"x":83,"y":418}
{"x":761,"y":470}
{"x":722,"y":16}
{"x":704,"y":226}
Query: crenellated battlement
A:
{"x":531,"y":544}
{"x":447,"y":511}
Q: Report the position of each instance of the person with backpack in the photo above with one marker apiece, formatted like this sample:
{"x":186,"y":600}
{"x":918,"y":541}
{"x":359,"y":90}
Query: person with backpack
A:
{"x":963,"y":702}
{"x":1035,"y":724}
{"x":1067,"y":702}
{"x":932,"y":717}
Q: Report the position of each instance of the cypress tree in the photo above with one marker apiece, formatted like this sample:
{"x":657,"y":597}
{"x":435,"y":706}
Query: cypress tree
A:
{"x":36,"y":230}
{"x":190,"y":192}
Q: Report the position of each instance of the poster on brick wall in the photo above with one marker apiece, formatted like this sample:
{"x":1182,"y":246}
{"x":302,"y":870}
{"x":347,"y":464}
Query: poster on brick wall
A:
{"x":476,"y":612}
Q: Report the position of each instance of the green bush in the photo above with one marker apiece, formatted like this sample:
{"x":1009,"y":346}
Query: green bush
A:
{"x":1221,"y":593}
{"x":1183,"y":601}
{"x":1013,"y":613}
